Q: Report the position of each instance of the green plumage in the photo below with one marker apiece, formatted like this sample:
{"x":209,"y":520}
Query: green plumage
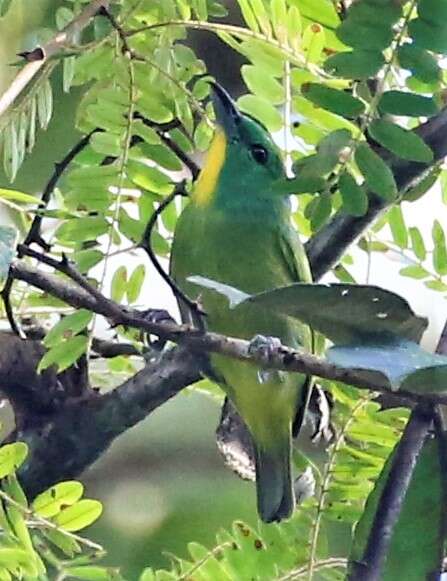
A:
{"x":241,"y":236}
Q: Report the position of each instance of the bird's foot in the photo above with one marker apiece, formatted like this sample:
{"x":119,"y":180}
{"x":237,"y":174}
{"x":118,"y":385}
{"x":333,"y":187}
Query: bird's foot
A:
{"x":157,"y":316}
{"x":264,"y":347}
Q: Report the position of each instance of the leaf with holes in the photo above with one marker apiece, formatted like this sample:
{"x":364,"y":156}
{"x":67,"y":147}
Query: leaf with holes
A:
{"x":351,"y":312}
{"x":52,"y":501}
{"x":68,"y":327}
{"x":80,"y":515}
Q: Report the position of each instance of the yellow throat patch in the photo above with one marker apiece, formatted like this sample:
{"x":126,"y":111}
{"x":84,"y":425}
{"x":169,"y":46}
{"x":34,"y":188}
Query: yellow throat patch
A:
{"x":207,"y":181}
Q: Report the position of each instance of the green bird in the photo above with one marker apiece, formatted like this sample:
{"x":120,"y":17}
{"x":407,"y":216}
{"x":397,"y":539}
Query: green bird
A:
{"x":237,"y":230}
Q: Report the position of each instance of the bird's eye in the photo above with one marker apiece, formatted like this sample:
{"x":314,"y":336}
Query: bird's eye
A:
{"x":259,"y":154}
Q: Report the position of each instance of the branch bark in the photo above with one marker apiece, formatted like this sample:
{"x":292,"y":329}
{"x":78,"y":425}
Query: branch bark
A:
{"x":72,"y":439}
{"x":283,"y":358}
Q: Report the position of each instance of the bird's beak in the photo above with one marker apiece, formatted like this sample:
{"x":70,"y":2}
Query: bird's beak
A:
{"x":227,"y":114}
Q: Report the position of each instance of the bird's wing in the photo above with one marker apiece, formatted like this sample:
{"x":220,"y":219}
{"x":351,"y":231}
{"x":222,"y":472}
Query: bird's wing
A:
{"x":294,"y":256}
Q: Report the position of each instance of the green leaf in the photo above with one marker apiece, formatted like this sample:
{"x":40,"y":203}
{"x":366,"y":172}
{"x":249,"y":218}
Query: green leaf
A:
{"x":351,"y":313}
{"x":149,"y":178}
{"x":4,"y":6}
{"x":52,"y":501}
{"x":17,"y":196}
{"x":414,"y":271}
{"x":412,"y":556}
{"x":324,"y":12}
{"x":11,"y":457}
{"x":402,"y":142}
{"x":429,"y":35}
{"x":68,"y":327}
{"x":82,"y":229}
{"x":8,"y":241}
{"x":366,"y":13}
{"x":86,"y":259}
{"x":329,"y":151}
{"x":397,"y":225}
{"x":417,"y":243}
{"x":262,"y":84}
{"x":357,"y":64}
{"x":262,"y":110}
{"x":13,"y":558}
{"x":89,"y":573}
{"x":299,"y":185}
{"x":11,"y":157}
{"x":421,"y":63}
{"x":321,"y":211}
{"x":368,"y":36}
{"x":434,"y":11}
{"x":333,"y":100}
{"x":248,"y":15}
{"x":439,"y":249}
{"x":44,"y":104}
{"x":106,"y":143}
{"x":407,"y":104}
{"x":135,"y":283}
{"x":278,"y":10}
{"x":377,"y":174}
{"x":355,"y":199}
{"x":63,"y":542}
{"x":80,"y":515}
{"x":64,"y":354}
{"x":119,"y":284}
{"x":312,"y":43}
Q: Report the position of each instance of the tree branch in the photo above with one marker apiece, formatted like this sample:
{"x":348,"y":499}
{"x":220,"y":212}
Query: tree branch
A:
{"x":72,"y":439}
{"x":325,"y":249}
{"x":283,"y":358}
{"x":393,"y":497}
{"x":49,"y":50}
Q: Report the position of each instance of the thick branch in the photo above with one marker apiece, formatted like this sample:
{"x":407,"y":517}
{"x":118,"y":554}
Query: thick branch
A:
{"x":72,"y":439}
{"x":327,"y":247}
{"x":49,"y":50}
{"x":283,"y":358}
{"x":393,"y":497}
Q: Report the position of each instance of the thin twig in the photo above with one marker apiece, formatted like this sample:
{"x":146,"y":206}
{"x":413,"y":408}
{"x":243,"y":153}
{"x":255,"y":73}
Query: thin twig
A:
{"x":34,"y":234}
{"x":145,"y":244}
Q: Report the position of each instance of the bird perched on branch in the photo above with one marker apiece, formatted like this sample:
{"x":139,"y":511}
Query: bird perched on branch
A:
{"x":236,"y":230}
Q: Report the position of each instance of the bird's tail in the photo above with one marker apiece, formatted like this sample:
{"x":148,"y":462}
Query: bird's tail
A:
{"x":274,"y":489}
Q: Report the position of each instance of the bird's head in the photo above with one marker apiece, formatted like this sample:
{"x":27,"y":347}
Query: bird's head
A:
{"x":242,"y":161}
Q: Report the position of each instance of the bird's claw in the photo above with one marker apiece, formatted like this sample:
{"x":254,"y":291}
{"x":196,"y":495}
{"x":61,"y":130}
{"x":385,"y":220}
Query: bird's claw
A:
{"x":157,"y":316}
{"x":264,"y":347}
